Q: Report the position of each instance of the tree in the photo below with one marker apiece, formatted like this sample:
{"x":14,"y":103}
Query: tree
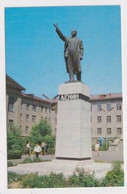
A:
{"x":14,"y":142}
{"x":42,"y":132}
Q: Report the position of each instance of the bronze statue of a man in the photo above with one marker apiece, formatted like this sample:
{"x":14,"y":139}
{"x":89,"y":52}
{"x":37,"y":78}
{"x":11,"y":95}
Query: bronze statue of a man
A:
{"x":73,"y":53}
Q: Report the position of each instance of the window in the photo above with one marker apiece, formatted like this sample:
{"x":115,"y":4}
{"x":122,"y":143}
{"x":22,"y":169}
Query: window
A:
{"x":27,"y":118}
{"x":27,"y":106}
{"x":99,"y":119}
{"x":20,"y":116}
{"x":33,"y":118}
{"x":11,"y":122}
{"x":21,"y":104}
{"x":119,"y":131}
{"x":118,"y":106}
{"x":108,"y":107}
{"x":11,"y":104}
{"x":118,"y":118}
{"x":34,"y":107}
{"x":26,"y":129}
{"x":99,"y":107}
{"x":91,"y":119}
{"x":109,"y":131}
{"x":45,"y":109}
{"x":108,"y":119}
{"x":20,"y":127}
{"x":99,"y":131}
{"x":42,"y":109}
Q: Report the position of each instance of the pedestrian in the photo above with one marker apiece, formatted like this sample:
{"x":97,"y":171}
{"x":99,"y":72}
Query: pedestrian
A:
{"x":37,"y":150}
{"x":97,"y":146}
{"x":43,"y":146}
{"x":28,"y":148}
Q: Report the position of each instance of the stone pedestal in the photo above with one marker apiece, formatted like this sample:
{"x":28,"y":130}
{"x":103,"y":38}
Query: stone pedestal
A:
{"x":73,"y":138}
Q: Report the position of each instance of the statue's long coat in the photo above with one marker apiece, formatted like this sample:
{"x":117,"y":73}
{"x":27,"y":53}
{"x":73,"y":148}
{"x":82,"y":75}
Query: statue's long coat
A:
{"x":73,"y":49}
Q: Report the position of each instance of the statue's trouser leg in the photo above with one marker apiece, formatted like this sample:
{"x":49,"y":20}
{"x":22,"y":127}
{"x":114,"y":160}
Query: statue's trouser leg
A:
{"x":70,"y":68}
{"x":78,"y":75}
{"x":77,"y":67}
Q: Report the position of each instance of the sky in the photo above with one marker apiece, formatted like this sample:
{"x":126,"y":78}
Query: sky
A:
{"x":34,"y":52}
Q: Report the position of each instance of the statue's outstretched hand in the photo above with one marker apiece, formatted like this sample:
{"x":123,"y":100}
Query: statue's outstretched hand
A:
{"x":56,"y":26}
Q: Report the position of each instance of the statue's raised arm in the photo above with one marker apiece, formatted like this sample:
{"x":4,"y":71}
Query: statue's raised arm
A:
{"x":56,"y":26}
{"x":59,"y":33}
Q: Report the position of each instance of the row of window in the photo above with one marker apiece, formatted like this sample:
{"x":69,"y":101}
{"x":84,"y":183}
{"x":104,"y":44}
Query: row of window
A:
{"x":109,"y":107}
{"x":118,"y":118}
{"x":28,"y":118}
{"x":109,"y":131}
{"x":34,"y":108}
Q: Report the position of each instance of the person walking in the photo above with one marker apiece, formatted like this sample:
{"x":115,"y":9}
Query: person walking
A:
{"x":37,"y":150}
{"x":43,"y":146}
{"x":28,"y":148}
{"x":97,"y":146}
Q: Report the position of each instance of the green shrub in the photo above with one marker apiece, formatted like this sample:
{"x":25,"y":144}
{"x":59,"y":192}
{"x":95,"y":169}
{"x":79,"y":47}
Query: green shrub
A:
{"x":12,"y":176}
{"x":51,"y":151}
{"x":32,"y":181}
{"x":51,"y":181}
{"x":15,"y":144}
{"x":80,"y":178}
{"x":9,"y":163}
{"x":104,"y":147}
{"x":27,"y":160}
{"x":115,"y":177}
{"x":14,"y":154}
{"x":50,"y":141}
{"x":37,"y":160}
{"x":55,"y":181}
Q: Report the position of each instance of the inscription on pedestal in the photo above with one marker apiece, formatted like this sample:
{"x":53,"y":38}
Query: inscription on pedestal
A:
{"x":69,"y":97}
{"x":65,"y":97}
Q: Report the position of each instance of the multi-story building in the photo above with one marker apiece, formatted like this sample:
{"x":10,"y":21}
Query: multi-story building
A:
{"x":24,"y":110}
{"x":106,"y":120}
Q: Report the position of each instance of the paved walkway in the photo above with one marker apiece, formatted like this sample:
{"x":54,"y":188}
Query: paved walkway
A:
{"x":68,"y":167}
{"x":65,"y":167}
{"x":107,"y":156}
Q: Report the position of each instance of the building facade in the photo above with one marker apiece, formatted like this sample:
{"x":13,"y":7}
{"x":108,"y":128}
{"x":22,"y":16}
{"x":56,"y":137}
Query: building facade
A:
{"x":106,"y":120}
{"x":24,"y":110}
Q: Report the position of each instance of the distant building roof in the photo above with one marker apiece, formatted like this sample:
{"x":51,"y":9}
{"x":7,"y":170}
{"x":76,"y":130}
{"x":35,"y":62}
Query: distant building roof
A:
{"x":13,"y":84}
{"x":110,"y":96}
{"x":33,"y":97}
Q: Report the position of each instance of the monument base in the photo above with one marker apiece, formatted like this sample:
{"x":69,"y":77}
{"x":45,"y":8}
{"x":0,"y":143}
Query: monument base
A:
{"x":70,"y":161}
{"x":73,"y":138}
{"x":78,"y":159}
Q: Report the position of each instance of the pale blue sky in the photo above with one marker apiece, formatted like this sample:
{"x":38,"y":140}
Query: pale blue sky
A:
{"x":34,"y":52}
